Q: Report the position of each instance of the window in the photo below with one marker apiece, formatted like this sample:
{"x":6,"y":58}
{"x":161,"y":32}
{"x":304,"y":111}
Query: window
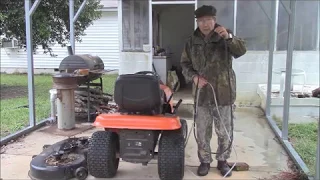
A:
{"x":306,"y":26}
{"x":253,"y":23}
{"x":135,"y":24}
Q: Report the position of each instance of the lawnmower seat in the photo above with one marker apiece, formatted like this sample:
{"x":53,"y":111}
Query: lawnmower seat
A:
{"x":138,"y":93}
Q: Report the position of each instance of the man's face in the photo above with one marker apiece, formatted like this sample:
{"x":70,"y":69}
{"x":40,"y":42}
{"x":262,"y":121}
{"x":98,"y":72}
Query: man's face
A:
{"x":206,"y":24}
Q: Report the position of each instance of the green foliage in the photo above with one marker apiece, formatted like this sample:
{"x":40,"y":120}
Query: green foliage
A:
{"x":50,"y":21}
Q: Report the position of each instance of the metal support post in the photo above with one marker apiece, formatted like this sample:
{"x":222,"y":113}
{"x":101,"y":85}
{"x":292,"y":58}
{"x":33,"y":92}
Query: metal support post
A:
{"x":318,"y":154}
{"x":287,"y":92}
{"x":318,"y":147}
{"x":150,"y":35}
{"x":28,"y":14}
{"x":79,"y":11}
{"x":318,"y":34}
{"x":235,"y":8}
{"x":73,"y":18}
{"x":276,"y":24}
{"x":289,"y":11}
{"x":272,"y":43}
{"x":195,"y":20}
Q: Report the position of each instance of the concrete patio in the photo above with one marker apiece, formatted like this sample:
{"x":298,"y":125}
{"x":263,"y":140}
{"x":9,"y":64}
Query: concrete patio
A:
{"x":254,"y":141}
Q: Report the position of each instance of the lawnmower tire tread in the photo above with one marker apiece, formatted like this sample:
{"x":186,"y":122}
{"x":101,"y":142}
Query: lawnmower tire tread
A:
{"x":102,"y":160}
{"x":171,"y":155}
{"x":184,"y":128}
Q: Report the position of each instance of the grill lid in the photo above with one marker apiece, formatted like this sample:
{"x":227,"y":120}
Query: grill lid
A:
{"x":86,"y":61}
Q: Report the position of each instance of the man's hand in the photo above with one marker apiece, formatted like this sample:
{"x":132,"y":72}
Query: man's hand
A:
{"x":202,"y":81}
{"x":222,"y":32}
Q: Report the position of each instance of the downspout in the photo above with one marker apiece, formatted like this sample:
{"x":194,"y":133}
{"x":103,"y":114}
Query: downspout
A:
{"x":53,"y":97}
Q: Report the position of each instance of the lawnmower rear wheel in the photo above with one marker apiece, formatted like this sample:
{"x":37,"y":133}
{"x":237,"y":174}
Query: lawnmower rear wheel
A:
{"x":171,"y":155}
{"x":102,"y":154}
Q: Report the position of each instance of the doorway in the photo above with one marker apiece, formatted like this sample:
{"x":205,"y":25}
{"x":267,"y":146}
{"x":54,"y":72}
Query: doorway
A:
{"x":172,"y":24}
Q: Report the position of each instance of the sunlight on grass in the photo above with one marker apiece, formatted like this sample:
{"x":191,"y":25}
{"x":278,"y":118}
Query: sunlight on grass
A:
{"x":14,"y":112}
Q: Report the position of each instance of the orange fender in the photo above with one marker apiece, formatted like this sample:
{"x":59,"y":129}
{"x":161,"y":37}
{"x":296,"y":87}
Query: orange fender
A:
{"x":142,"y":122}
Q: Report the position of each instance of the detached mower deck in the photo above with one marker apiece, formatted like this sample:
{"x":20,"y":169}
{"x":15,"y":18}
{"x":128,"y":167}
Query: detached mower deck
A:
{"x":63,"y":160}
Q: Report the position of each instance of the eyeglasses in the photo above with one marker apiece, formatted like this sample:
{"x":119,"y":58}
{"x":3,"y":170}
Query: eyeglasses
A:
{"x":205,"y":21}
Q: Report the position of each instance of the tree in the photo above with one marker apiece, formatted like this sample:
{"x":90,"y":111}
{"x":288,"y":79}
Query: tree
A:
{"x":50,"y":21}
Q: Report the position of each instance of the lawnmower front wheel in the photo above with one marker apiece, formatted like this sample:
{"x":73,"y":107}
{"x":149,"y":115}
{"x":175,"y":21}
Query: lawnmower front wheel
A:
{"x":102,"y":154}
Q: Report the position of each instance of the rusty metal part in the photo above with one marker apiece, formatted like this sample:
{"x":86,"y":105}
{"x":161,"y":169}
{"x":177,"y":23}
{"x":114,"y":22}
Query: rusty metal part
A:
{"x":65,"y":81}
{"x":240,"y":166}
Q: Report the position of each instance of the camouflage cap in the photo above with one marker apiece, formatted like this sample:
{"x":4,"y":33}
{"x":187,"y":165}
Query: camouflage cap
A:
{"x":205,"y":10}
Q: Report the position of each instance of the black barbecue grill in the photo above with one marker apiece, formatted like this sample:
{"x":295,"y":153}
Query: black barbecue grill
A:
{"x":93,"y":64}
{"x":75,"y":62}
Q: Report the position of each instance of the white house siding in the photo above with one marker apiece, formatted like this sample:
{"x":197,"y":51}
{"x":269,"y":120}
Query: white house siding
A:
{"x":101,"y":39}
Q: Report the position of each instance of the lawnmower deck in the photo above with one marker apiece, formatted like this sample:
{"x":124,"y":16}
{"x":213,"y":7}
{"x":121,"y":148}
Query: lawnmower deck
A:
{"x":254,"y":143}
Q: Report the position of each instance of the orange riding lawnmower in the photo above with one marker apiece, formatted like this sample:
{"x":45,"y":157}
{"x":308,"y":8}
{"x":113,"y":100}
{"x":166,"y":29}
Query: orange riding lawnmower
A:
{"x":146,"y":119}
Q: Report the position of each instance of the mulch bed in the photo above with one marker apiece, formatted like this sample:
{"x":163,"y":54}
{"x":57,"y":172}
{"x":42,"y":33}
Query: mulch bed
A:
{"x":9,"y":92}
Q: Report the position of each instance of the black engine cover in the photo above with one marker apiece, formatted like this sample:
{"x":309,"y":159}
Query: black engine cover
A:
{"x":137,"y":146}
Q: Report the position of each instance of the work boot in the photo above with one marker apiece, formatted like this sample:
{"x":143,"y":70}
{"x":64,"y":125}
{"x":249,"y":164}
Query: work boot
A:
{"x":224,"y":168}
{"x":203,"y":169}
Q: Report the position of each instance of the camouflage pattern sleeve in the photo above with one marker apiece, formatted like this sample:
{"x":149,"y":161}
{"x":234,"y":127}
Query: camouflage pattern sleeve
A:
{"x":186,"y":64}
{"x":236,"y":46}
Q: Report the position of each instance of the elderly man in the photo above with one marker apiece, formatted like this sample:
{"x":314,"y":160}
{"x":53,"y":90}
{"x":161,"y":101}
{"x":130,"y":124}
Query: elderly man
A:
{"x":207,"y":58}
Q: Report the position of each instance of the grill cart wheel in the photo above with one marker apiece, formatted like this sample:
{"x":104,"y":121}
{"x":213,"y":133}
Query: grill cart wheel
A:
{"x":102,"y":154}
{"x":171,"y":155}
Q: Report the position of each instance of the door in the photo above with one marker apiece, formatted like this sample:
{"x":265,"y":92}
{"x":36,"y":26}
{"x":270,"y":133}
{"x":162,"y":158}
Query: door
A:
{"x":135,"y":26}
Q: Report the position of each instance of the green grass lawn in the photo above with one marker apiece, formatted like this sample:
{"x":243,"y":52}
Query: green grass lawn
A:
{"x":14,"y":110}
{"x":303,"y":138}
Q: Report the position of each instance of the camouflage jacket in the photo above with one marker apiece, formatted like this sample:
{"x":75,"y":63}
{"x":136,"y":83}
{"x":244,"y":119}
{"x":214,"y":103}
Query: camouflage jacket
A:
{"x":209,"y":59}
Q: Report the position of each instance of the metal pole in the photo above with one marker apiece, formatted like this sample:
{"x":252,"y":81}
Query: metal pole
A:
{"x":289,"y":11}
{"x":71,"y":16}
{"x":318,"y":34}
{"x":28,"y":15}
{"x":272,"y":43}
{"x":34,"y":7}
{"x":318,"y":154}
{"x":150,"y":35}
{"x":287,"y":93}
{"x":79,"y":11}
{"x":195,"y":20}
{"x":235,"y":8}
{"x":318,"y":148}
{"x":276,"y":24}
